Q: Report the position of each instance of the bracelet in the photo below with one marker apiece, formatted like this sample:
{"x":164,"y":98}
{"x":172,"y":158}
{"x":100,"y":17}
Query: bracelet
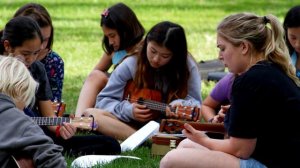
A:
{"x":211,"y":120}
{"x":57,"y":132}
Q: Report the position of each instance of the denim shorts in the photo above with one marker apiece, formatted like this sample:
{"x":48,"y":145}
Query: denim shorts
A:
{"x":251,"y":163}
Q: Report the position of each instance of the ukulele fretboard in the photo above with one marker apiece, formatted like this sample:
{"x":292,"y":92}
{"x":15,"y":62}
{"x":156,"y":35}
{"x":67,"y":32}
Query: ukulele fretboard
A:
{"x":154,"y":105}
{"x":50,"y":120}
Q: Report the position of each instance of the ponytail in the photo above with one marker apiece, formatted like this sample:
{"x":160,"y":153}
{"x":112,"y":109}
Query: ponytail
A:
{"x":276,"y":50}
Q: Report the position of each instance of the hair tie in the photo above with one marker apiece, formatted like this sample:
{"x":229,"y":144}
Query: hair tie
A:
{"x":105,"y":13}
{"x":266,"y":20}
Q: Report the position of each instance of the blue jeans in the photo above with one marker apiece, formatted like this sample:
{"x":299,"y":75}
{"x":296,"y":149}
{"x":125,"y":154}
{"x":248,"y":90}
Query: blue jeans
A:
{"x":251,"y":163}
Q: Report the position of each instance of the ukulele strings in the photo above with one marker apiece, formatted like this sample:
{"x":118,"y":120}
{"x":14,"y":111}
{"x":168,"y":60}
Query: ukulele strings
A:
{"x":50,"y":120}
{"x":152,"y":104}
{"x":155,"y":105}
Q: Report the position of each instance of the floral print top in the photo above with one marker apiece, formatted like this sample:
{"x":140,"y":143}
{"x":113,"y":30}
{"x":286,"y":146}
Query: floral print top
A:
{"x":54,"y":66}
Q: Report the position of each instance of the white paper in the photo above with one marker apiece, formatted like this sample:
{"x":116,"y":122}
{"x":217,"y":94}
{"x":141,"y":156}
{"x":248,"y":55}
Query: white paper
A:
{"x":88,"y":161}
{"x":140,"y":136}
{"x":170,"y":135}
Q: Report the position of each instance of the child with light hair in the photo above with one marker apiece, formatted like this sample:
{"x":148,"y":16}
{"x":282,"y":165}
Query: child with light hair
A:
{"x":17,"y":82}
{"x":20,"y":137}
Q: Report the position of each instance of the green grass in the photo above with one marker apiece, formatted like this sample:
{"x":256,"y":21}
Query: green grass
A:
{"x":143,"y":152}
{"x":78,"y":36}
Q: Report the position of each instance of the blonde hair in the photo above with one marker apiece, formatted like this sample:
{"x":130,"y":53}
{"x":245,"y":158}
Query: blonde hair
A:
{"x":264,"y":38}
{"x":16,"y":81}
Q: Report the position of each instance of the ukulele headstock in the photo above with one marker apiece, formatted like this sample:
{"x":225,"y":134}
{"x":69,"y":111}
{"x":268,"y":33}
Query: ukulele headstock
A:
{"x":171,"y":126}
{"x":187,"y":113}
{"x":85,"y":123}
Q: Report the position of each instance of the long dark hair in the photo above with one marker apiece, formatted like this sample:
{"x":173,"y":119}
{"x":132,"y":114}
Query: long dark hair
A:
{"x":171,"y":36}
{"x":18,"y":30}
{"x":291,"y":20}
{"x":40,"y":14}
{"x":121,"y":18}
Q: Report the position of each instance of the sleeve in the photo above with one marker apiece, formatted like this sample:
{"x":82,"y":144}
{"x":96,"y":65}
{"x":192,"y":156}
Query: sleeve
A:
{"x":45,"y":152}
{"x":221,"y":92}
{"x":28,"y":138}
{"x":111,"y":97}
{"x":194,"y":87}
{"x":44,"y":90}
{"x":56,"y":76}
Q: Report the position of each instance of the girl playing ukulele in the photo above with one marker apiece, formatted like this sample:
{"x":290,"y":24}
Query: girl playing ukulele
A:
{"x":163,"y":66}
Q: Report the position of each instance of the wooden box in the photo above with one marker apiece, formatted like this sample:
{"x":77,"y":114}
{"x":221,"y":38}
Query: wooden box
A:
{"x":161,"y":143}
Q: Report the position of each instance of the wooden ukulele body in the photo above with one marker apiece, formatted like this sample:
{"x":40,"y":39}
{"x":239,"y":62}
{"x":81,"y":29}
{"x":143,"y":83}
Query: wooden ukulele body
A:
{"x":152,"y":99}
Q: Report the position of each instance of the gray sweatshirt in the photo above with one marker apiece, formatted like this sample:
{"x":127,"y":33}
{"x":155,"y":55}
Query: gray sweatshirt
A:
{"x":111,"y":97}
{"x":19,"y":134}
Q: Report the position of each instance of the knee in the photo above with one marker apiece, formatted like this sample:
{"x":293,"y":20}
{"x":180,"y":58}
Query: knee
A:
{"x":169,"y":159}
{"x":186,"y":143}
{"x":98,"y":76}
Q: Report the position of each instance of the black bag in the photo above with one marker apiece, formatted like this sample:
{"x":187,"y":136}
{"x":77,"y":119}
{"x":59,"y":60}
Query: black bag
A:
{"x":90,"y":145}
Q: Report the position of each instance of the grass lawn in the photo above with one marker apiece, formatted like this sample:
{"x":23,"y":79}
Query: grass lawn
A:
{"x":78,"y":36}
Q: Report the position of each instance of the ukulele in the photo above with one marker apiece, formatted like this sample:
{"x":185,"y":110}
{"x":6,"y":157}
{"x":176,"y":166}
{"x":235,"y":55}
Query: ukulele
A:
{"x":21,"y":161}
{"x":151,"y":98}
{"x":173,"y":126}
{"x":85,"y":123}
{"x":59,"y":108}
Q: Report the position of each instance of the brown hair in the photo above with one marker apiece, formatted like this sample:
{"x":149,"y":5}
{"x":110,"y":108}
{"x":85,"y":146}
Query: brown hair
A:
{"x":40,"y":14}
{"x":171,"y":36}
{"x":121,"y":18}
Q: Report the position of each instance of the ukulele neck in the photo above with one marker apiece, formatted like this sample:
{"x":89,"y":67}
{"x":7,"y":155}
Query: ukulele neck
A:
{"x":51,"y":121}
{"x":157,"y":106}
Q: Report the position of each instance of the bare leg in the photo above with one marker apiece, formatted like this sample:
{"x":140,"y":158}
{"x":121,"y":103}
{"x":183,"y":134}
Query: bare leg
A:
{"x":187,"y":143}
{"x":198,"y":158}
{"x":109,"y":125}
{"x":94,"y":83}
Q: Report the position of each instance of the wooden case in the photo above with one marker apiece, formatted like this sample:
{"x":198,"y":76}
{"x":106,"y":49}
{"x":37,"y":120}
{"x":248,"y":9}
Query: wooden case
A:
{"x":161,"y":143}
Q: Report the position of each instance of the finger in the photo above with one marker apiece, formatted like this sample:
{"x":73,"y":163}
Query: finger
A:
{"x":169,"y":114}
{"x":177,"y":104}
{"x":225,"y":108}
{"x":222,"y":115}
{"x":189,"y":128}
{"x":174,"y":115}
{"x":72,"y":116}
{"x":63,"y":133}
{"x":140,"y":106}
{"x":139,"y":112}
{"x":144,"y":116}
{"x":187,"y":134}
{"x":69,"y":128}
{"x":168,"y":111}
{"x":67,"y":133}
